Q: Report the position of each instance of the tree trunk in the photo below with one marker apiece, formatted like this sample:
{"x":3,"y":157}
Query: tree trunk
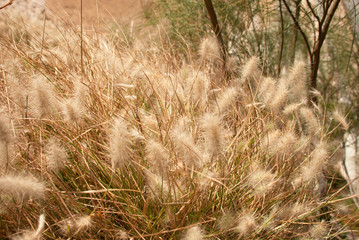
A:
{"x":216,"y":28}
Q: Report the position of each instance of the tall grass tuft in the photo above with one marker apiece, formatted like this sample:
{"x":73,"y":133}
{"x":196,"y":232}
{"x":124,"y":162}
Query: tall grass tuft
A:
{"x":139,"y":144}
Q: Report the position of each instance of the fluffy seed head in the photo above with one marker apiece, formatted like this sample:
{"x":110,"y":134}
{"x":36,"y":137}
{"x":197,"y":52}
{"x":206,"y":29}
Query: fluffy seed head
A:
{"x":42,"y":97}
{"x":210,"y":49}
{"x":80,"y":92}
{"x":268,"y":142}
{"x":310,"y":120}
{"x":73,"y":110}
{"x":267,"y":90}
{"x":291,"y":108}
{"x":215,"y":135}
{"x":22,"y":186}
{"x":286,"y":142}
{"x":205,"y":180}
{"x":120,"y":144}
{"x":76,"y":225}
{"x":157,"y":156}
{"x":201,"y":85}
{"x":122,"y":235}
{"x":227,"y":221}
{"x":292,"y":211}
{"x":297,"y":80}
{"x":338,"y":116}
{"x":319,"y":231}
{"x":33,"y":235}
{"x":56,"y":155}
{"x":246,"y":223}
{"x":261,"y":181}
{"x":279,"y":97}
{"x":250,"y":70}
{"x":277,"y":142}
{"x":194,"y":233}
{"x":312,"y":169}
{"x":226,"y":99}
{"x":186,"y":147}
{"x":157,"y":185}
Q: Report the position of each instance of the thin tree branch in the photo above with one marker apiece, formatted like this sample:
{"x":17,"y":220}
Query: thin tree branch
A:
{"x":300,"y":29}
{"x":295,"y":32}
{"x":282,"y":39}
{"x":313,"y":11}
{"x":332,"y":8}
{"x":7,"y":4}
{"x":216,"y":28}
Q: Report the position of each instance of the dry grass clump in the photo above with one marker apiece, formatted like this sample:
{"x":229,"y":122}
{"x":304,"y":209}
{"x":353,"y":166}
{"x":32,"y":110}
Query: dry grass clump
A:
{"x":135,"y":143}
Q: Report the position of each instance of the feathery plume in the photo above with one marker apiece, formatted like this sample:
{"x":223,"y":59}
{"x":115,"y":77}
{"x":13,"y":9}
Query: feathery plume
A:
{"x":33,"y":235}
{"x":292,"y":211}
{"x":194,"y":233}
{"x":277,"y":142}
{"x":157,"y":156}
{"x":42,"y":95}
{"x":56,"y":155}
{"x":246,"y":223}
{"x":150,"y":122}
{"x":226,"y":221}
{"x":73,"y":111}
{"x":201,"y":86}
{"x":250,"y":69}
{"x":297,"y":82}
{"x":267,"y":90}
{"x":270,"y":220}
{"x":80,"y":92}
{"x":18,"y":92}
{"x":310,"y":120}
{"x":319,"y":231}
{"x":291,"y":108}
{"x":76,"y":224}
{"x":122,"y":235}
{"x":209,"y":49}
{"x":157,"y":185}
{"x":120,"y":144}
{"x":261,"y":181}
{"x":74,"y":108}
{"x":214,"y":134}
{"x":286,"y":142}
{"x":22,"y":186}
{"x":338,"y":116}
{"x":186,"y":147}
{"x":315,"y":166}
{"x":280,"y":96}
{"x":226,"y":99}
{"x":205,"y":179}
{"x":303,"y":142}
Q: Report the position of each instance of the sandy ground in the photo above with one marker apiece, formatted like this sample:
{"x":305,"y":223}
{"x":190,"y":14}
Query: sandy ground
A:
{"x":98,"y":14}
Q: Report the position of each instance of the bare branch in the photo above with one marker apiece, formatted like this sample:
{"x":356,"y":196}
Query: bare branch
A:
{"x":7,"y":4}
{"x":299,"y":28}
{"x":217,"y":29}
{"x":332,"y":8}
{"x":313,"y":11}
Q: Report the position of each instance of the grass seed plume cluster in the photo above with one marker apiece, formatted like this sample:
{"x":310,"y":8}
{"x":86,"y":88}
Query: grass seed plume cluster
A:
{"x":141,"y":144}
